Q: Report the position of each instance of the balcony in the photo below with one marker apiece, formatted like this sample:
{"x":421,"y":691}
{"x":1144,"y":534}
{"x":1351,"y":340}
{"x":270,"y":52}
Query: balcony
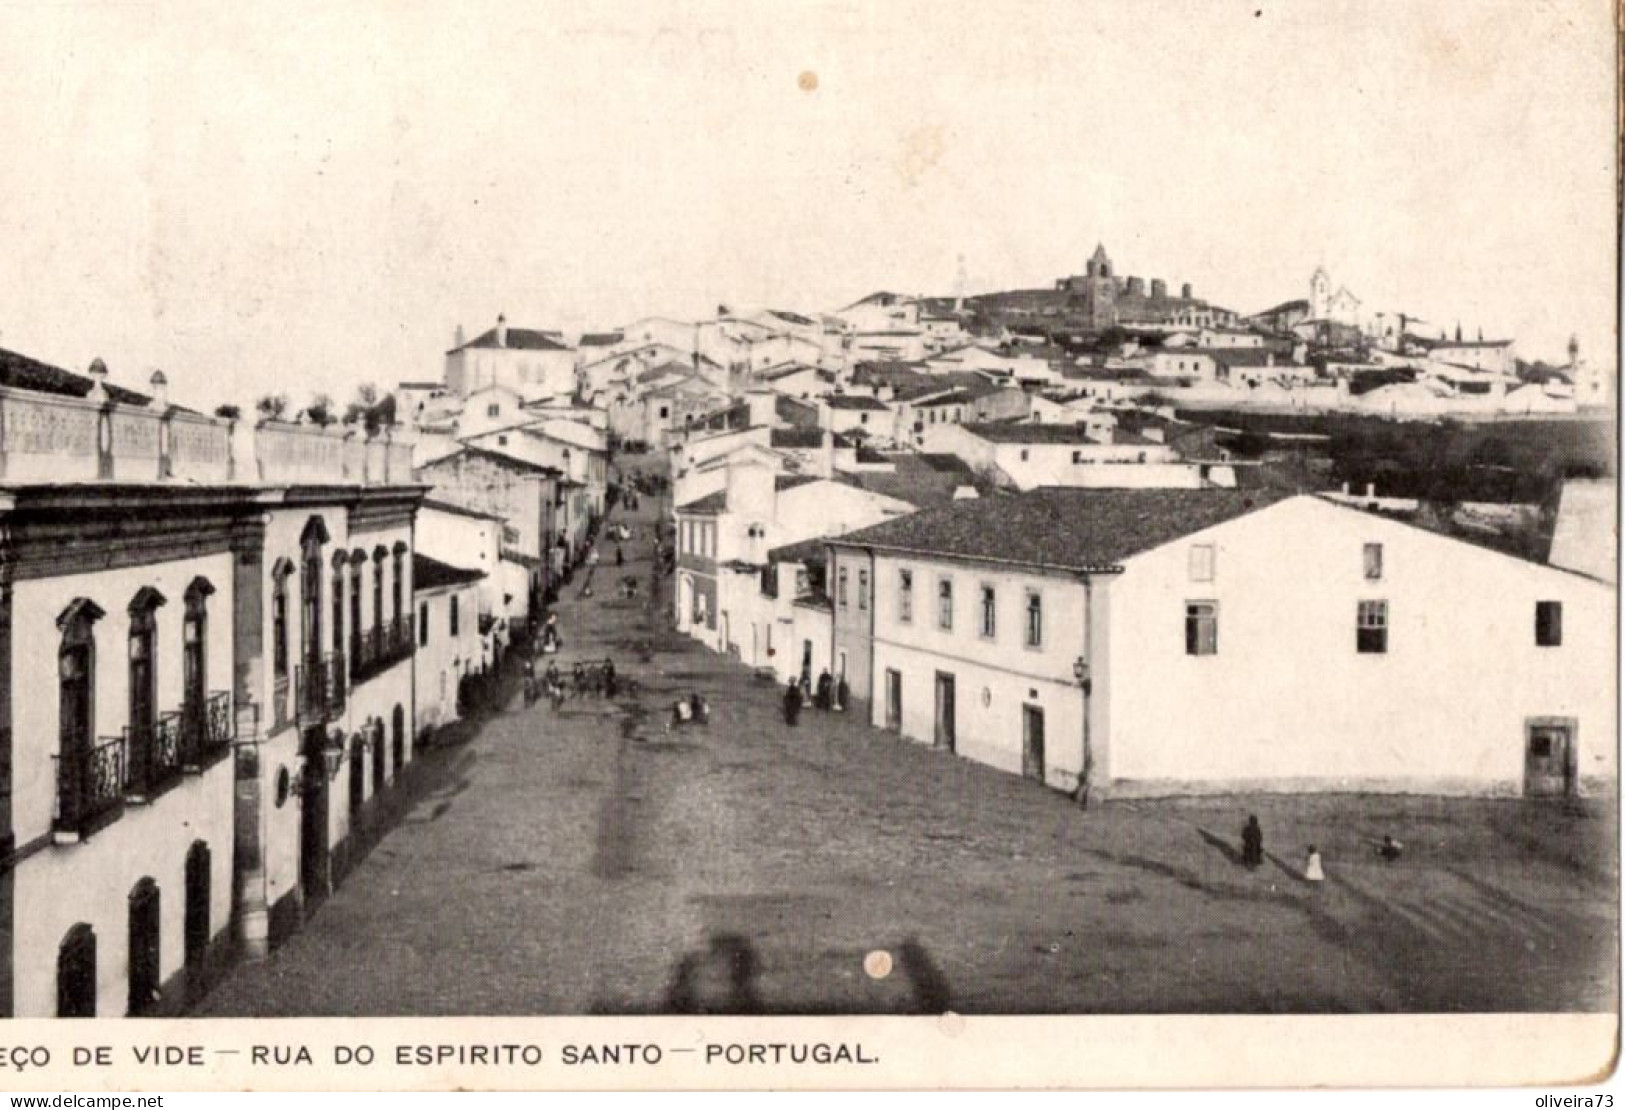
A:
{"x":207,"y":732}
{"x":152,"y":757}
{"x":383,"y":646}
{"x":336,"y":685}
{"x":89,"y":788}
{"x":319,"y":689}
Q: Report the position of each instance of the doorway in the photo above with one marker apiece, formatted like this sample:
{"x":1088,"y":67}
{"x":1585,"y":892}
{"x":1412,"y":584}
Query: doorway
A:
{"x":806,"y":664}
{"x":1032,"y":742}
{"x":313,"y":863}
{"x":76,"y":974}
{"x":1550,"y":758}
{"x":894,"y":700}
{"x":197,"y":908}
{"x":944,"y":736}
{"x":145,"y":966}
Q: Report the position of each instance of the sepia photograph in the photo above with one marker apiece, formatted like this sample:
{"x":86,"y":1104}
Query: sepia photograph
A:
{"x":820,"y":510}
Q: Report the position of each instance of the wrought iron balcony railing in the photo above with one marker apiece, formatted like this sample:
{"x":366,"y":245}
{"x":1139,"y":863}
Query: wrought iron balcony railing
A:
{"x":152,"y":755}
{"x":89,"y":786}
{"x":208,"y":729}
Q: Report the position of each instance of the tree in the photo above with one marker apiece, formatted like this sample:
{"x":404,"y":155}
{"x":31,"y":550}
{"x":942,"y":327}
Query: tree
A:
{"x":366,"y":396}
{"x":272,"y":406}
{"x":229,"y":412}
{"x":320,"y":410}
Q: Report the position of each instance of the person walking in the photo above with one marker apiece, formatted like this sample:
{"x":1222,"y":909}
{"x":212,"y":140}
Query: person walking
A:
{"x":609,"y":677}
{"x":1252,"y":843}
{"x":792,"y":703}
{"x":825,"y":685}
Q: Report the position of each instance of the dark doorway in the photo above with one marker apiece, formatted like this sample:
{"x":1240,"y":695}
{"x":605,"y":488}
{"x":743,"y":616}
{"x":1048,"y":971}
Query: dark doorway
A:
{"x":944,"y":737}
{"x":1549,"y":758}
{"x":894,"y":700}
{"x":1032,"y":742}
{"x":397,"y":724}
{"x":378,"y":765}
{"x":76,"y":974}
{"x":197,"y":906}
{"x":358,"y":782}
{"x":145,"y":959}
{"x":313,"y":862}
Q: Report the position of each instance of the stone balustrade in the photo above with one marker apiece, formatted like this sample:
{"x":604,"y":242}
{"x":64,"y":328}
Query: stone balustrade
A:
{"x":47,"y":438}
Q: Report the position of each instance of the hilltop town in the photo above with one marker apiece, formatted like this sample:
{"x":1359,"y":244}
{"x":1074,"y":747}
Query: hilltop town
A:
{"x":1086,"y":543}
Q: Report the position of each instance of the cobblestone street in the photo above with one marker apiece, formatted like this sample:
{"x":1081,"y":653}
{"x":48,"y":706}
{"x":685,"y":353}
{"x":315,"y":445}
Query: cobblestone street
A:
{"x":592,"y":861}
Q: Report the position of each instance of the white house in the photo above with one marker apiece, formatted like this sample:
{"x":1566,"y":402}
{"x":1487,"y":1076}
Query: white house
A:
{"x":1144,"y":642}
{"x":450,"y":646}
{"x":1029,"y":455}
{"x":520,"y":359}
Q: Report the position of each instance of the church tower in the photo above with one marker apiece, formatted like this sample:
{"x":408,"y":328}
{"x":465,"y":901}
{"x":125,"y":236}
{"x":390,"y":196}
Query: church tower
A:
{"x":1320,"y":294}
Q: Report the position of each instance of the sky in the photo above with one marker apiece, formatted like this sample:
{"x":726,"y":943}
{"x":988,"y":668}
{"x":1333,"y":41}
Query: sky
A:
{"x":303,"y":197}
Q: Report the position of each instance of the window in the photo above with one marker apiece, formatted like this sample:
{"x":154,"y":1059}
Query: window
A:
{"x":378,"y":589}
{"x":1201,"y":562}
{"x":396,"y":580}
{"x":1201,"y":628}
{"x":357,"y":561}
{"x":493,"y":410}
{"x":502,"y":441}
{"x":905,"y":596}
{"x":1373,"y":562}
{"x":990,"y":613}
{"x":840,"y":589}
{"x":1024,"y":453}
{"x":279,"y":622}
{"x":1371,"y":632}
{"x":423,"y":624}
{"x":338,"y":607}
{"x":863,"y":589}
{"x":454,"y":614}
{"x":1035,"y":619}
{"x":945,"y":603}
{"x":194,"y":650}
{"x":1077,"y":457}
{"x":1548,"y":624}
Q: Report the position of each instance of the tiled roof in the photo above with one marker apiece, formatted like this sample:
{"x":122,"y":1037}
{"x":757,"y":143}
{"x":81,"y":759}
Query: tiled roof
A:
{"x":509,"y":461}
{"x":792,"y":317}
{"x":854,"y":403}
{"x":791,"y":411}
{"x":21,"y":372}
{"x":431,"y":574}
{"x":957,"y":397}
{"x":716,"y":502}
{"x":1285,"y":306}
{"x":796,"y":437}
{"x":1031,"y":433}
{"x":784,"y":371}
{"x":601,"y":339}
{"x":1062,"y":528}
{"x":519,"y":339}
{"x":421,"y":385}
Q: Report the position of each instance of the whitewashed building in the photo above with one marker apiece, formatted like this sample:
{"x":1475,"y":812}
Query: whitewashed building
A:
{"x":1149,"y":642}
{"x":450,"y":646}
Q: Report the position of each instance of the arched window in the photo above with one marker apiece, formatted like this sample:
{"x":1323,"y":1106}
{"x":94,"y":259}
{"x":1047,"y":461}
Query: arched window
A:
{"x":84,"y":787}
{"x":195,"y":663}
{"x":197,"y":925}
{"x":378,"y":557}
{"x":76,"y":973}
{"x":358,"y":560}
{"x":279,"y":619}
{"x":338,"y":601}
{"x":152,"y":758}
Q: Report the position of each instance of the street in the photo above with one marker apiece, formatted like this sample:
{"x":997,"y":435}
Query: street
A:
{"x":593,"y":860}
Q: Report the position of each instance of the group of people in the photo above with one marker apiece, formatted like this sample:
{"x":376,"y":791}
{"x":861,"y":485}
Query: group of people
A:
{"x":1252,"y":851}
{"x":596,"y":679}
{"x":830,"y":693}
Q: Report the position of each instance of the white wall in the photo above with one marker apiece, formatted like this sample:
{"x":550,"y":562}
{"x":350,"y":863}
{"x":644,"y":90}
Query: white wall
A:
{"x":1287,"y":702}
{"x":58,"y":886}
{"x":1012,"y":674}
{"x":442,"y":658}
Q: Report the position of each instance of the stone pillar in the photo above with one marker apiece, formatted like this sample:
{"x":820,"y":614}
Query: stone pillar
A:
{"x":250,"y":909}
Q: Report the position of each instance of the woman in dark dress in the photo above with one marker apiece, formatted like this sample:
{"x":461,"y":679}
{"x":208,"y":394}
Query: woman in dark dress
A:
{"x":1252,"y":843}
{"x":792,"y":703}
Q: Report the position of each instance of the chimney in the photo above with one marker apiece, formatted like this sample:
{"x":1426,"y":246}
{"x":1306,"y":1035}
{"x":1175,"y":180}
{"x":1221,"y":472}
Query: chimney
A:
{"x":1371,"y":489}
{"x":1136,"y":287}
{"x":1186,"y":292}
{"x":751,"y":494}
{"x":502,"y":330}
{"x":1159,"y":288}
{"x":98,"y":380}
{"x":160,"y":391}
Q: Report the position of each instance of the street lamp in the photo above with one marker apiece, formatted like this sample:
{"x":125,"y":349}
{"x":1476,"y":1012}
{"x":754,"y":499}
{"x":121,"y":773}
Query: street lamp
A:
{"x":1080,"y":671}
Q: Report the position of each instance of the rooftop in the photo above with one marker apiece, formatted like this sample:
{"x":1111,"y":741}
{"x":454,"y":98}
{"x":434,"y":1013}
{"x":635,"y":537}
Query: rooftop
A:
{"x":1031,"y":433}
{"x":717,"y":502}
{"x":518,"y":339}
{"x":854,"y":402}
{"x":430,"y":574}
{"x":460,"y":510}
{"x":1061,"y":528}
{"x":21,"y":372}
{"x":601,"y":338}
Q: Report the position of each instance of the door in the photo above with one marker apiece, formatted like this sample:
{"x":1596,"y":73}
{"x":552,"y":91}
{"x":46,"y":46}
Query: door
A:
{"x":894,"y":700}
{"x":313,"y":871}
{"x":197,"y":907}
{"x":143,"y":708}
{"x":1549,"y":759}
{"x":944,"y":737}
{"x":76,"y":974}
{"x":806,"y":664}
{"x":1032,"y":742}
{"x":145,"y":969}
{"x":358,"y":782}
{"x":397,"y":724}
